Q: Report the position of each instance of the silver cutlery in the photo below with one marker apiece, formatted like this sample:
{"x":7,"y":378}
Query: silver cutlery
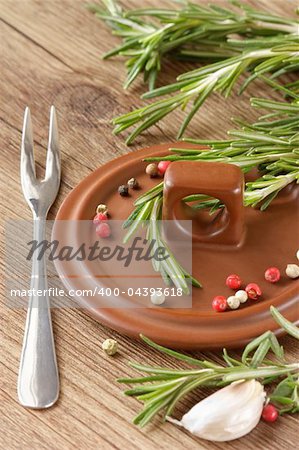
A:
{"x":38,"y":382}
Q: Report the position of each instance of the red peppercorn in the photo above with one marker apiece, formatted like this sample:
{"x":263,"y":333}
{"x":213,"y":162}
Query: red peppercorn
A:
{"x":100,"y":217}
{"x":253,"y":291}
{"x":103,"y":230}
{"x":272,"y":274}
{"x":162,"y":166}
{"x":219,"y":303}
{"x":233,"y":282}
{"x":269,"y":413}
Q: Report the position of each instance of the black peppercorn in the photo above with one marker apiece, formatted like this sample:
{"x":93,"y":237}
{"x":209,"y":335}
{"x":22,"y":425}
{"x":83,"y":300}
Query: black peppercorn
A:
{"x":123,"y":190}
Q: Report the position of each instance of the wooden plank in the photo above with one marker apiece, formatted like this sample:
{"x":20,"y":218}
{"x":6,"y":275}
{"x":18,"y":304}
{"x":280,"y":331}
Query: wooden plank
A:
{"x":50,"y":53}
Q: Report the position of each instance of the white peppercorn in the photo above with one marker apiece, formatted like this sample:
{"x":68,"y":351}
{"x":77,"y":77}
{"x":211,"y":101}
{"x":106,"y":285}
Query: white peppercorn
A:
{"x":152,"y":170}
{"x":241,"y":296}
{"x":157,"y":298}
{"x":292,"y":271}
{"x":233,"y":302}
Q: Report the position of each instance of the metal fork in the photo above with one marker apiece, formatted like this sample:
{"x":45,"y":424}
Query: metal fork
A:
{"x":38,"y":382}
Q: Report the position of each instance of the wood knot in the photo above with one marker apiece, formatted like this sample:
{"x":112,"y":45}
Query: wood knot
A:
{"x":89,"y":105}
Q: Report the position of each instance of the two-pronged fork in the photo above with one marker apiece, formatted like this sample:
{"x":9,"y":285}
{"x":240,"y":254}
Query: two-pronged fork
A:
{"x":38,"y":383}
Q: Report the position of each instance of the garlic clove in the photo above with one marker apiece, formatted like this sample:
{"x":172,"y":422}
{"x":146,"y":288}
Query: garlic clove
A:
{"x":230,"y":413}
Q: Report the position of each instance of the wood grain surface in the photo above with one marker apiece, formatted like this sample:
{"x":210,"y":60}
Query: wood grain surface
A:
{"x":51,"y":54}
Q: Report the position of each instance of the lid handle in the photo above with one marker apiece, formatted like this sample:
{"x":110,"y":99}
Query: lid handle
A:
{"x":222,"y":181}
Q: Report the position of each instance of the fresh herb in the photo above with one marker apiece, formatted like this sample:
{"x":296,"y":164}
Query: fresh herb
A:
{"x":262,"y":43}
{"x":286,"y":325}
{"x":194,"y":32}
{"x":162,"y":388}
{"x":286,"y":395}
{"x":270,"y":145}
{"x":151,"y":215}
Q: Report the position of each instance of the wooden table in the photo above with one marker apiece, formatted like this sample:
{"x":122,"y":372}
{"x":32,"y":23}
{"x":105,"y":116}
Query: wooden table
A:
{"x":50,"y":54}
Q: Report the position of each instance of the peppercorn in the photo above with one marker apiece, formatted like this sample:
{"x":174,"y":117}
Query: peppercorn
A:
{"x":253,"y":291}
{"x":233,"y":281}
{"x":101,"y":208}
{"x":133,"y":183}
{"x":292,"y":271}
{"x":233,"y":302}
{"x":103,"y":230}
{"x":123,"y":190}
{"x":110,"y":346}
{"x":152,"y":170}
{"x":162,"y":166}
{"x":272,"y":274}
{"x":241,"y":296}
{"x":99,"y":218}
{"x":158,"y":298}
{"x":270,"y":413}
{"x":219,"y":303}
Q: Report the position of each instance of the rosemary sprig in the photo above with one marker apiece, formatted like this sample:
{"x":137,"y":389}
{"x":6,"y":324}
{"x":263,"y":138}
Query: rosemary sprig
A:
{"x":271,"y":145}
{"x":266,"y":44}
{"x":191,"y":32}
{"x":199,"y":84}
{"x":170,"y":269}
{"x":162,"y":388}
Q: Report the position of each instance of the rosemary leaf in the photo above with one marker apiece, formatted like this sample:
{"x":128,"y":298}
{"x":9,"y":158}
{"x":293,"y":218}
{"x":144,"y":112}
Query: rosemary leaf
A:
{"x":284,"y":323}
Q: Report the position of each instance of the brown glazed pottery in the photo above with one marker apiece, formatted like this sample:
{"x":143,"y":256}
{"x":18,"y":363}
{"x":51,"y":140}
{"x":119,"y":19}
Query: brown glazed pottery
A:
{"x":238,"y":240}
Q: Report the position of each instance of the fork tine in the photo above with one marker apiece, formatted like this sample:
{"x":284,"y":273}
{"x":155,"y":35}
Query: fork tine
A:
{"x":53,"y":154}
{"x":27,"y":157}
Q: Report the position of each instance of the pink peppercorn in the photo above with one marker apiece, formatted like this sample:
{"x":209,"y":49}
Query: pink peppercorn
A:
{"x":103,"y":230}
{"x":100,"y":217}
{"x":272,"y":274}
{"x":253,"y":291}
{"x":162,"y":166}
{"x":219,"y":303}
{"x":270,"y":413}
{"x":233,"y":281}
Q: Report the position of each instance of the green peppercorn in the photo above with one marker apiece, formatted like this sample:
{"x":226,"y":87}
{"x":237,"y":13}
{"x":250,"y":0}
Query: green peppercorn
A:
{"x":152,"y":170}
{"x":101,"y":208}
{"x":110,"y":346}
{"x":123,"y":190}
{"x":132,"y":183}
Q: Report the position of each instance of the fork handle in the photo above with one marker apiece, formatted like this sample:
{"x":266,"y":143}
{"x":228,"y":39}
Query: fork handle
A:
{"x":38,"y":382}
